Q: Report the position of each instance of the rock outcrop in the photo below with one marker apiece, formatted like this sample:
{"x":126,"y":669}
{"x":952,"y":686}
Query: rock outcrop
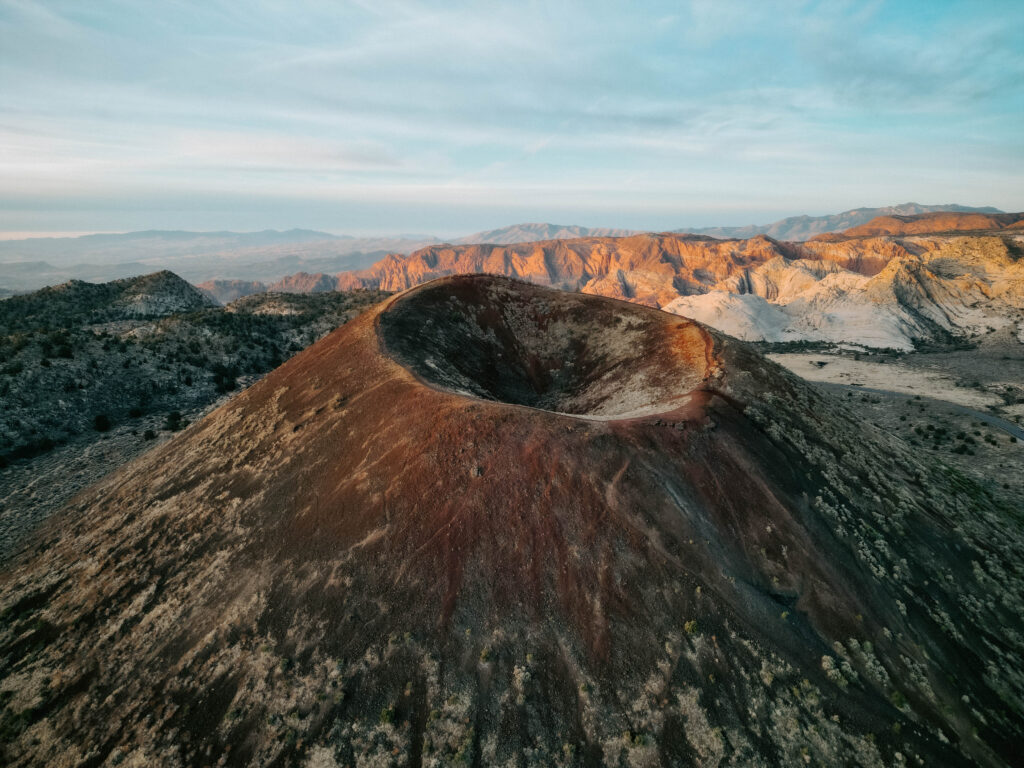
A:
{"x":938,"y":290}
{"x":648,"y":269}
{"x":304,"y":282}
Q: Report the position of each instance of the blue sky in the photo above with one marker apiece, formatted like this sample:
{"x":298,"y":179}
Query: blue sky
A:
{"x":377,"y":116}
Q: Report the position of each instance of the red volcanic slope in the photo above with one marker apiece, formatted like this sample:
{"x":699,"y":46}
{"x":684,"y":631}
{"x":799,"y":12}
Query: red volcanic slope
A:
{"x":487,"y":521}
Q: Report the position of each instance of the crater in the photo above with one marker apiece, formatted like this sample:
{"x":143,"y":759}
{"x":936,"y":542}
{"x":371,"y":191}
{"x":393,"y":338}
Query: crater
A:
{"x":502,"y":340}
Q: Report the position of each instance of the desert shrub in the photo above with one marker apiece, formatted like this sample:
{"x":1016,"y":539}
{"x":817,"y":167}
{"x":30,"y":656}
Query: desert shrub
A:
{"x":175,"y":421}
{"x":224,"y":377}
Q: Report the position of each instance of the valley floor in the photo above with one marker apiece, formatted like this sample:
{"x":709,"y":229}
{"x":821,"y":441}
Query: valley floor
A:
{"x":845,"y":370}
{"x":963,"y":407}
{"x":989,"y":376}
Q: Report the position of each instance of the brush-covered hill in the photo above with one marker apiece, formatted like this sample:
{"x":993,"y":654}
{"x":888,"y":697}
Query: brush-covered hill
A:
{"x":90,"y":374}
{"x":489,"y":523}
{"x":151,"y":344}
{"x":77,"y":302}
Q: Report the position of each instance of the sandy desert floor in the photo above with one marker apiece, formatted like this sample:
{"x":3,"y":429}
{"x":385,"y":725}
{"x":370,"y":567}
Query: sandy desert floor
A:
{"x":965,"y":407}
{"x":894,"y":377}
{"x":989,"y":376}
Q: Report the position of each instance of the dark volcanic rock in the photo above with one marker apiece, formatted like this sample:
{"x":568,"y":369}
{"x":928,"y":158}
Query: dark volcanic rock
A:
{"x":492,"y":523}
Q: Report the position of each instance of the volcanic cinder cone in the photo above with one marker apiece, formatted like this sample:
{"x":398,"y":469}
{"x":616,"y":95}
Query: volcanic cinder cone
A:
{"x":493,"y":523}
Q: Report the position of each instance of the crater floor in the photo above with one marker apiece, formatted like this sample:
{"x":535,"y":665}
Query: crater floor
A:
{"x":512,"y":343}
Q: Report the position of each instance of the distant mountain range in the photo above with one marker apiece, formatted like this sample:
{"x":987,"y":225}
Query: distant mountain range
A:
{"x":794,"y":228}
{"x":528,"y":233}
{"x":131,"y":246}
{"x":800,"y":228}
{"x":197,"y":256}
{"x":272,"y":258}
{"x":936,"y":221}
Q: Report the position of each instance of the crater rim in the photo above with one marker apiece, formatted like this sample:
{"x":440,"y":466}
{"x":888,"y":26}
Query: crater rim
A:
{"x":500,"y":340}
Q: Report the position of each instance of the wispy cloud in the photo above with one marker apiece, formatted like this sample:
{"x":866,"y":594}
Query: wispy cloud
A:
{"x":798,"y":104}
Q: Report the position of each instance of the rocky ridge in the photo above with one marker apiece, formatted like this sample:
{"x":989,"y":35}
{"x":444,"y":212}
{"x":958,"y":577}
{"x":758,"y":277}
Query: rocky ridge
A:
{"x":929,"y":223}
{"x":880,"y":291}
{"x":940,"y":289}
{"x":799,"y":228}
